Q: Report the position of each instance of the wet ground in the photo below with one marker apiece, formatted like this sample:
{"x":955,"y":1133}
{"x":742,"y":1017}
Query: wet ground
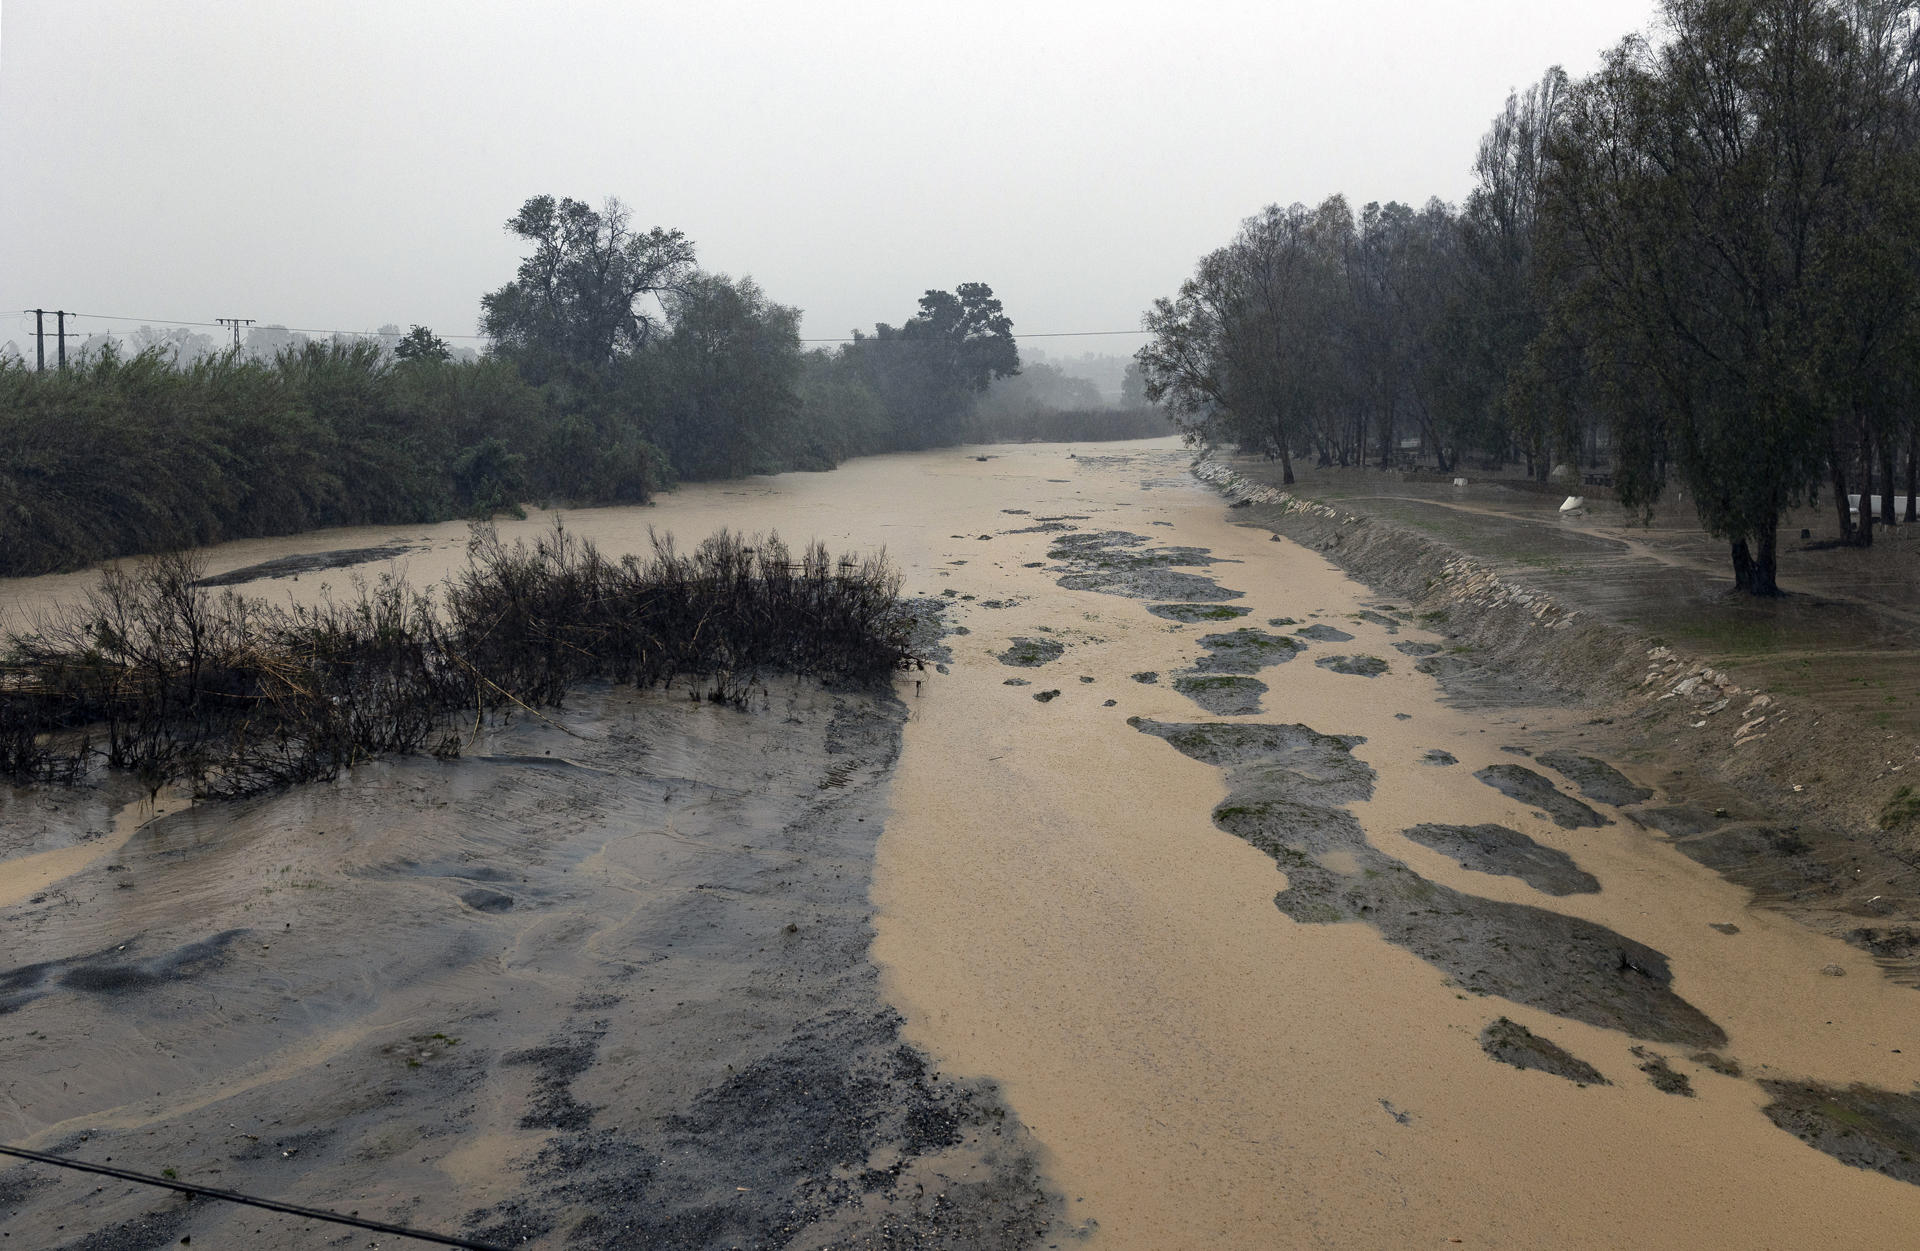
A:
{"x":1847,"y":631}
{"x":1330,"y":957}
{"x":603,"y":982}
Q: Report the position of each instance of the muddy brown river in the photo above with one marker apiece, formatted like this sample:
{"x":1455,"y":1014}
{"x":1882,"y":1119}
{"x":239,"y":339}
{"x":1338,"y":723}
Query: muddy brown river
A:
{"x":1168,"y":911}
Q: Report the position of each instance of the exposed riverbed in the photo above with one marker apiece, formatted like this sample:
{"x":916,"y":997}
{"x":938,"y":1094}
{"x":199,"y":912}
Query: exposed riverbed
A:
{"x":1194,"y":899}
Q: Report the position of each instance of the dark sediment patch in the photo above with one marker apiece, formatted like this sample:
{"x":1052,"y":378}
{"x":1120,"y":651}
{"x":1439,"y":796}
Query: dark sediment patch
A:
{"x":1031,"y":653}
{"x":1596,"y":779}
{"x":1544,"y":959}
{"x":1244,"y":651}
{"x":1224,"y":695}
{"x":928,"y":626}
{"x":1407,"y":647}
{"x":1726,"y":1066}
{"x":1435,"y":756}
{"x":1898,"y":942}
{"x":1380,"y":619}
{"x":1449,"y":669}
{"x":1146,"y":677}
{"x":1192,"y":613}
{"x":878,"y":1130}
{"x":1248,"y":752}
{"x":1323,"y":633}
{"x":1016,"y":682}
{"x":1662,"y":1076}
{"x":112,"y":972}
{"x":713,"y":1068}
{"x":159,"y":1227}
{"x":1354,"y":666}
{"x":1115,"y":562}
{"x":1677,"y":821}
{"x":1523,"y":784}
{"x":1508,"y":853}
{"x":1046,"y":697}
{"x":482,"y":900}
{"x":1775,"y":863}
{"x":1877,"y":1130}
{"x":1289,"y":787}
{"x":311,"y":562}
{"x":1512,"y":1043}
{"x":1282,"y":622}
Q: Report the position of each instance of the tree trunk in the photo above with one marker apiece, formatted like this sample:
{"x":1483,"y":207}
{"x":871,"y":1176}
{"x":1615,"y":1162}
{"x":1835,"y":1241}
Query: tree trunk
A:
{"x":1887,"y":461}
{"x":1866,"y":490}
{"x":1286,"y":466}
{"x":1837,"y":469}
{"x":1742,"y":565}
{"x":1913,"y":473}
{"x":1764,"y":579}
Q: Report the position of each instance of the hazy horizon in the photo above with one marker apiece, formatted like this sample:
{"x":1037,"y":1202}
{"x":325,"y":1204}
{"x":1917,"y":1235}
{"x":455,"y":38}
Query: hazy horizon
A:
{"x":340,"y":167}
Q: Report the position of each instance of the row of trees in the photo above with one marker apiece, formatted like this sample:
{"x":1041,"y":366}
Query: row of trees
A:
{"x":616,"y":366}
{"x":1706,"y":254}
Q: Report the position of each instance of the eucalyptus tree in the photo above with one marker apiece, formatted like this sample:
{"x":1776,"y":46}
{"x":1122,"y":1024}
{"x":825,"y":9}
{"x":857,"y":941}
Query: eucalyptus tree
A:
{"x":1737,"y":231}
{"x":1244,"y":351}
{"x":1495,"y":302}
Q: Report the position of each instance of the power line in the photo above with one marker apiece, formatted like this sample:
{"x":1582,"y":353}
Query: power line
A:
{"x":222,"y":323}
{"x":236,"y":323}
{"x":1028,"y":334}
{"x":231,"y":1196}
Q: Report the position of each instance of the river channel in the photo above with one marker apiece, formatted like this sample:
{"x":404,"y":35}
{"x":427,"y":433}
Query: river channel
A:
{"x":1189,"y":878}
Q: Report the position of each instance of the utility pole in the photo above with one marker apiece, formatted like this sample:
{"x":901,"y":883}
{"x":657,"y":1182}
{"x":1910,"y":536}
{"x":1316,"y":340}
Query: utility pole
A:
{"x":60,"y":316}
{"x":236,"y":323}
{"x":40,"y":340}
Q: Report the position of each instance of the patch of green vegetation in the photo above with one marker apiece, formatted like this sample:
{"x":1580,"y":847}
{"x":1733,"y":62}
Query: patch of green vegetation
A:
{"x":1901,"y":808}
{"x":1207,"y":682}
{"x":1198,"y":612}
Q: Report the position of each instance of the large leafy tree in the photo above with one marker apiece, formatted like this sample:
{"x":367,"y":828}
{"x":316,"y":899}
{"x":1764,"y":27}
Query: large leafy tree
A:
{"x":730,"y":368}
{"x":583,"y":297}
{"x":1738,"y":230}
{"x":1243,"y":351}
{"x":930,"y":370}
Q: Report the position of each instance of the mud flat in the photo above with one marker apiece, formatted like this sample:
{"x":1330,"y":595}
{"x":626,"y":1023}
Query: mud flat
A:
{"x":603,"y":982}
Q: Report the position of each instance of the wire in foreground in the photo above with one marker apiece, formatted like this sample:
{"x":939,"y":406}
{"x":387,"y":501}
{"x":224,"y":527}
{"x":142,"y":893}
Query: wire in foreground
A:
{"x":230,"y":1196}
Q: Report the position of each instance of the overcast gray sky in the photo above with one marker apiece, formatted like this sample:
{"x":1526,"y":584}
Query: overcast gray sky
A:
{"x":339,"y":164}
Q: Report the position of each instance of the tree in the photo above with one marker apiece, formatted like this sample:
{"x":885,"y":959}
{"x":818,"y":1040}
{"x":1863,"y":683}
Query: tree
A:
{"x":577,"y":299}
{"x":730,"y":366}
{"x":1244,"y":350}
{"x":929,"y":371}
{"x":1724,"y":204}
{"x":421,"y":344}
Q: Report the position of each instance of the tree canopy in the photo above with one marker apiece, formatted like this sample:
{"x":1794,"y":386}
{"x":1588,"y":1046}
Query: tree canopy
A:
{"x":1705,"y":255}
{"x":579,"y":298}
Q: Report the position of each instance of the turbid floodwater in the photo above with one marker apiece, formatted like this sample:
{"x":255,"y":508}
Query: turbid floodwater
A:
{"x":1201,"y":917}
